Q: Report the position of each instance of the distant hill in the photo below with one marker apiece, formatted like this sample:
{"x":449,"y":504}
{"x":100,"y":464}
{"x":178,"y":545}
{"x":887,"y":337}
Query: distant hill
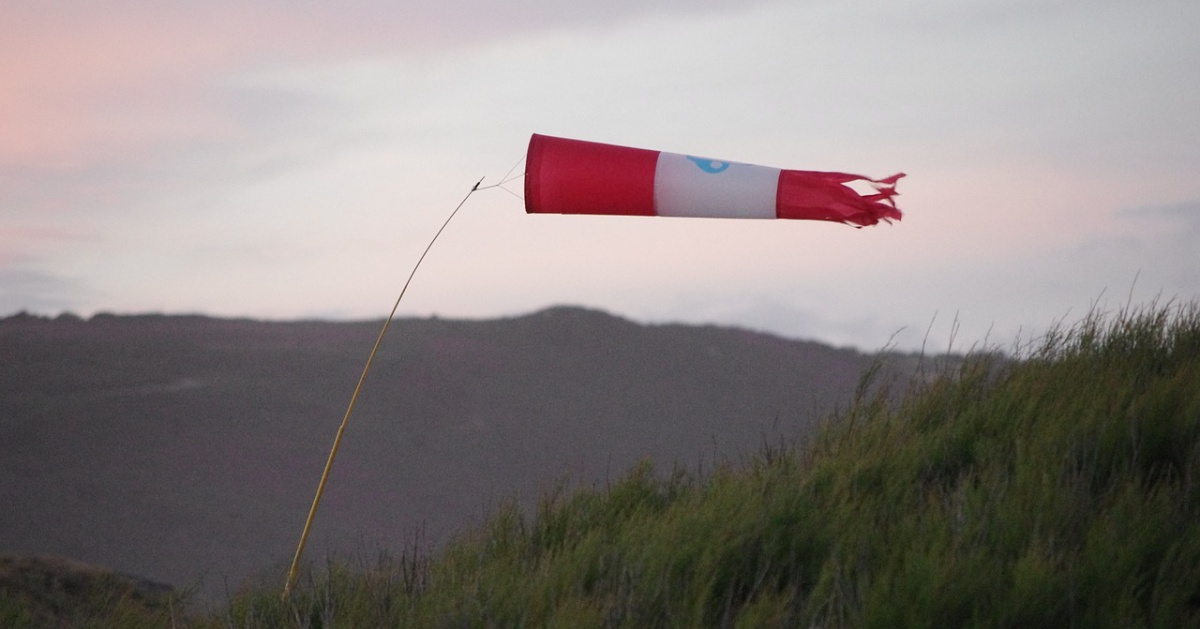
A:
{"x":186,"y":449}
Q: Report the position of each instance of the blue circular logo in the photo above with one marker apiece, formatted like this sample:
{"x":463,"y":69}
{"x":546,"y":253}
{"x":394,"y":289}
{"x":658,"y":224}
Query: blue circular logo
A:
{"x":710,"y":166}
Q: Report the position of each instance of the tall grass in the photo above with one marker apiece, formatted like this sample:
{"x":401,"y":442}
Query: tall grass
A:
{"x":1060,"y":487}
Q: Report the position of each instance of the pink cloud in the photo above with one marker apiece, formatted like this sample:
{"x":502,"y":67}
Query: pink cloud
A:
{"x":89,"y":82}
{"x":84,"y":82}
{"x":80,"y":88}
{"x":17,"y":243}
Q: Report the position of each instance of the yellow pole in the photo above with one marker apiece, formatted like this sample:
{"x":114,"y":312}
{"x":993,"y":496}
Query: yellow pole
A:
{"x":337,"y":441}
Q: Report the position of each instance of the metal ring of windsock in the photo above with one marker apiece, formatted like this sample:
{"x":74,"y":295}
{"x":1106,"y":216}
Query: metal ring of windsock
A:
{"x":576,"y":177}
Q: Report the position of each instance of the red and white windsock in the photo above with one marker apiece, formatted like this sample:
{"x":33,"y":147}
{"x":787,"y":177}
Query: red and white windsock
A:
{"x":575,"y":177}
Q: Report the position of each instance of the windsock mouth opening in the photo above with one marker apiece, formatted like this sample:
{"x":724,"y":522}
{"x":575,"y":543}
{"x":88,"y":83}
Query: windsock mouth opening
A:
{"x":565,"y":176}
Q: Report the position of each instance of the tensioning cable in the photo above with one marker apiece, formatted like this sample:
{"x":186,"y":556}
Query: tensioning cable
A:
{"x":337,"y":440}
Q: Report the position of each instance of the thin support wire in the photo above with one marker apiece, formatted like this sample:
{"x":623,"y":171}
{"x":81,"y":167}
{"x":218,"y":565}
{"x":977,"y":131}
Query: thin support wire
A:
{"x":337,"y":441}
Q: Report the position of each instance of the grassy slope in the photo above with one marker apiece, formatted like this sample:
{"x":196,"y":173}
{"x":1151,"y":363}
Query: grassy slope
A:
{"x":53,"y":592}
{"x":1062,"y":489}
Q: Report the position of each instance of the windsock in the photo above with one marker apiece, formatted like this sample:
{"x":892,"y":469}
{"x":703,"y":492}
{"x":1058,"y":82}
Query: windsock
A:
{"x":575,"y":177}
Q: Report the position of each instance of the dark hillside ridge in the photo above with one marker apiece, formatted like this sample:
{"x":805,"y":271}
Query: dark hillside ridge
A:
{"x":184,"y":448}
{"x":56,"y":592}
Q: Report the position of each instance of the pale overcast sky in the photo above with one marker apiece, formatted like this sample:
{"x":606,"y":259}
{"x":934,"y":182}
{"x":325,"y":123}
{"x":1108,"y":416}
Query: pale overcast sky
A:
{"x":291,"y":159}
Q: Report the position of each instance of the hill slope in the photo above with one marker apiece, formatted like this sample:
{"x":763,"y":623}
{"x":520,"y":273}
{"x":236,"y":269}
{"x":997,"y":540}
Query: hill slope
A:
{"x":1059,"y":490}
{"x":52,"y":592}
{"x":188,"y":448}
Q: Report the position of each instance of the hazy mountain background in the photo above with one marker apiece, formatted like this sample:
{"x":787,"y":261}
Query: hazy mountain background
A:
{"x":186,"y":449}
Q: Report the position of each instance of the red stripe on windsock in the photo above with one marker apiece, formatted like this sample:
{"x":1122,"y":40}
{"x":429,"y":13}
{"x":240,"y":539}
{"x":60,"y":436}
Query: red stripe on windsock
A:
{"x":823,"y":196}
{"x":576,"y":177}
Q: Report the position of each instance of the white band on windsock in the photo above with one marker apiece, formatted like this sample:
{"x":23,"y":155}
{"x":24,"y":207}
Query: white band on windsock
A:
{"x":697,"y":186}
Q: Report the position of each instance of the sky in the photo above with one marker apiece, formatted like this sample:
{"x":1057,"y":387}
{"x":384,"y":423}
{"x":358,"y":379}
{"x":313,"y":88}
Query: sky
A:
{"x":287,"y":160}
